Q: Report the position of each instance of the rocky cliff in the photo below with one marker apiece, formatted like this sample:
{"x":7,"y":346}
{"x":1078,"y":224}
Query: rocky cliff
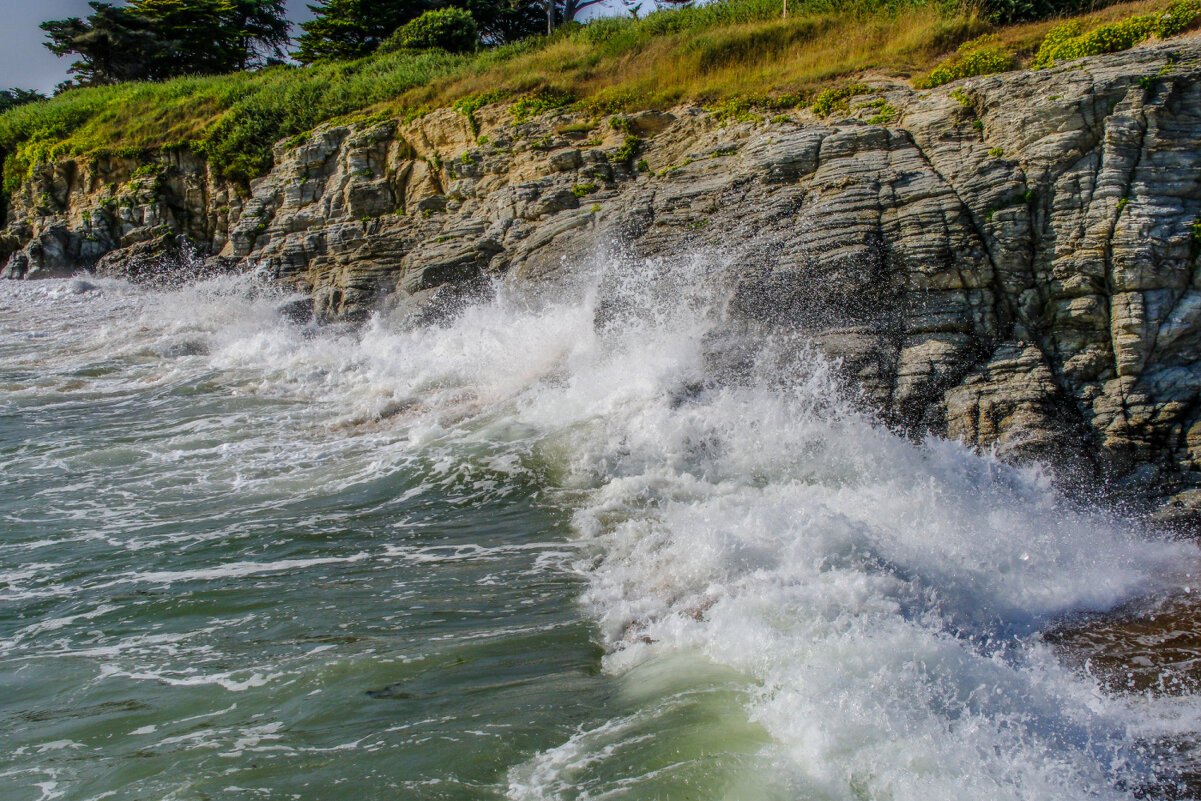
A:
{"x":1009,"y":260}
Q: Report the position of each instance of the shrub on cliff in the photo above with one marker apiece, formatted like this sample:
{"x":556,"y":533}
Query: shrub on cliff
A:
{"x":981,"y":56}
{"x":1069,"y":40}
{"x":451,"y":29}
{"x":351,"y":29}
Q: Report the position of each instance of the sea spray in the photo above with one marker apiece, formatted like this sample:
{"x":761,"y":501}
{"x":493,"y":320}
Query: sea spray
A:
{"x":790,"y":600}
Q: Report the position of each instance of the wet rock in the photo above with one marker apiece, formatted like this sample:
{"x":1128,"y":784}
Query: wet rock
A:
{"x":1013,"y":262}
{"x":167,"y":260}
{"x":82,"y":287}
{"x":300,"y":311}
{"x":181,"y":349}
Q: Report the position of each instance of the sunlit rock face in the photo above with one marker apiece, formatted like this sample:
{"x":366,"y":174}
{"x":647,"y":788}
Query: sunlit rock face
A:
{"x":1008,"y":260}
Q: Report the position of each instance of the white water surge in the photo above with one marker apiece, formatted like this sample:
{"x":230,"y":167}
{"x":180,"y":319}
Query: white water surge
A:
{"x":810,"y":604}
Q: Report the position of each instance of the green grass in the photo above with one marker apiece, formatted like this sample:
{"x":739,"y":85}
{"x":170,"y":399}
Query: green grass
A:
{"x":735,"y":57}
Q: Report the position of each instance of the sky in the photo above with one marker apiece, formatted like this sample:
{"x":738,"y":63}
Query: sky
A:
{"x":26,"y":64}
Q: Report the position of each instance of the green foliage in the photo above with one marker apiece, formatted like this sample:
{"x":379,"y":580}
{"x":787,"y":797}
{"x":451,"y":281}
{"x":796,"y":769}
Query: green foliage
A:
{"x":451,"y":29}
{"x":1195,"y":239}
{"x":996,"y":152}
{"x":349,"y":29}
{"x":249,"y":112}
{"x":885,"y":112}
{"x":11,"y":98}
{"x":1008,"y":11}
{"x":743,"y":108}
{"x":668,"y":170}
{"x":1069,"y":40}
{"x":1180,"y":17}
{"x":539,"y":102}
{"x":158,"y":39}
{"x":1123,"y":203}
{"x":580,"y":190}
{"x":837,"y":99}
{"x":467,"y":106}
{"x":737,"y":109}
{"x":981,"y":56}
{"x":642,"y":166}
{"x":629,"y":149}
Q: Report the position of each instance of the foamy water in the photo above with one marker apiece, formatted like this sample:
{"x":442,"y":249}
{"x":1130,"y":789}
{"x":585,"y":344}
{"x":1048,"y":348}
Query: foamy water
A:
{"x":527,"y":555}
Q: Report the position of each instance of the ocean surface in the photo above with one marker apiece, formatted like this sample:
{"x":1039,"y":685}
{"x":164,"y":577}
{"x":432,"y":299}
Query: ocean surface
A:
{"x":537,"y":553}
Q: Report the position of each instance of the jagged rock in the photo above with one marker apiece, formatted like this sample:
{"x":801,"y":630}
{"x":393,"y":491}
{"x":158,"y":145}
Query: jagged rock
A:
{"x":1012,"y":261}
{"x":565,"y":160}
{"x":300,"y":311}
{"x":651,"y":122}
{"x":167,"y":260}
{"x":53,"y":253}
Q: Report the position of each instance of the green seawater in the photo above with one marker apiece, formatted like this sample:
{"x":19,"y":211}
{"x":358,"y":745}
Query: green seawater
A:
{"x":216,"y":584}
{"x":553,"y":548}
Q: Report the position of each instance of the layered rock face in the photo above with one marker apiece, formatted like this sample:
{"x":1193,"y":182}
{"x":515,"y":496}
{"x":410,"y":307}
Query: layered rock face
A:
{"x":1009,"y":260}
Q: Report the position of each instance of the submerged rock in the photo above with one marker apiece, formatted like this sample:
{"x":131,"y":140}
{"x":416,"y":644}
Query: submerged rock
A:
{"x":299,"y":311}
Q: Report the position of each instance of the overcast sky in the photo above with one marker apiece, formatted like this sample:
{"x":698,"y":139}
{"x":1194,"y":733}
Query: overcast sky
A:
{"x":27,"y":64}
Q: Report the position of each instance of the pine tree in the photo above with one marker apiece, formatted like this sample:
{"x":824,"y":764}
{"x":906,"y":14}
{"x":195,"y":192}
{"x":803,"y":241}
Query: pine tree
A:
{"x":214,"y":36}
{"x":158,"y":39}
{"x":346,"y":29}
{"x":503,"y":21}
{"x":113,"y":45}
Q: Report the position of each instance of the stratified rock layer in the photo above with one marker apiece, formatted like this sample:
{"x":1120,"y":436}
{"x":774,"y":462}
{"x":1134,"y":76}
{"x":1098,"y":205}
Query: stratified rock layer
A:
{"x":1009,"y":260}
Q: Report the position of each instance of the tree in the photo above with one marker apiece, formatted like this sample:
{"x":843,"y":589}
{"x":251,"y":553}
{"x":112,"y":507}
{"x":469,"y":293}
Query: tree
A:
{"x":263,"y":29}
{"x":11,"y":98}
{"x":450,"y":29}
{"x":158,"y":39}
{"x":502,"y":21}
{"x":113,"y":45}
{"x":346,"y":29}
{"x":570,"y":9}
{"x":214,"y":36}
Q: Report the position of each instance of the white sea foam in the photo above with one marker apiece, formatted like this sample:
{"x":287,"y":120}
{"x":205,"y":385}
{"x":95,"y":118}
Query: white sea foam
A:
{"x":883,"y":596}
{"x":880,"y":598}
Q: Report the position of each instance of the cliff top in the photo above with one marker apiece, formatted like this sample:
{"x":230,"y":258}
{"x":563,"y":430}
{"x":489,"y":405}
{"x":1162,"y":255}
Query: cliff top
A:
{"x":740,"y":58}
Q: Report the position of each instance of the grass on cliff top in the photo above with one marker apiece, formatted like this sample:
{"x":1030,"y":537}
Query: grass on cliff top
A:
{"x":732,"y":52}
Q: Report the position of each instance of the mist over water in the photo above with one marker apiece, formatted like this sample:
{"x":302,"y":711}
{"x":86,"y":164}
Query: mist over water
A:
{"x":547,"y":550}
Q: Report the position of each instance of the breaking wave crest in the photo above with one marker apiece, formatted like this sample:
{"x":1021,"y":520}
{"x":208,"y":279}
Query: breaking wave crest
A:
{"x":794,"y":600}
